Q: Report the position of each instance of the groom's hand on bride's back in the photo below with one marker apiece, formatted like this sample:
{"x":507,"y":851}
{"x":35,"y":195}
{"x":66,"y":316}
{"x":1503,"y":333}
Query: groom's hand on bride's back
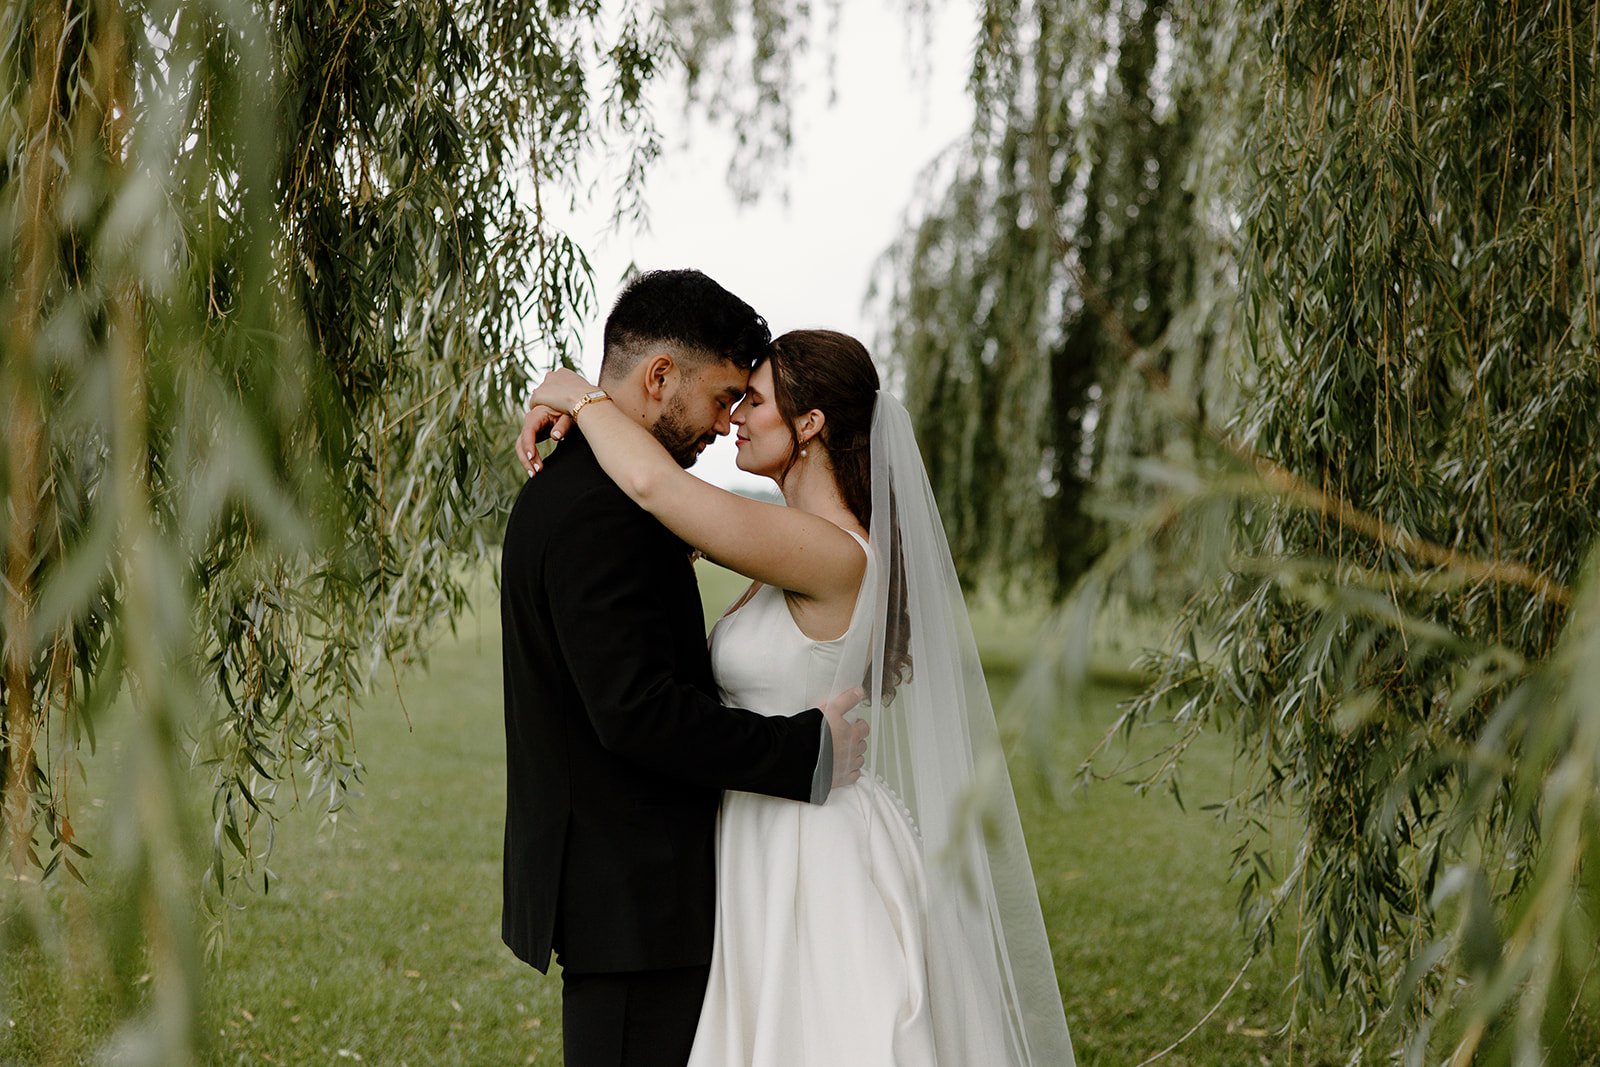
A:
{"x":849,"y":737}
{"x":540,"y":422}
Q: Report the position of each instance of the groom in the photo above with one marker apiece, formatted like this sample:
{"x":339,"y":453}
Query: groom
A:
{"x":617,"y":749}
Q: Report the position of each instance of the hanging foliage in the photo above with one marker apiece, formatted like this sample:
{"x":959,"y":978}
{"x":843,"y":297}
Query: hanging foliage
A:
{"x":274,"y":275}
{"x":1397,"y":627}
{"x":1306,"y":293}
{"x":1087,"y":188}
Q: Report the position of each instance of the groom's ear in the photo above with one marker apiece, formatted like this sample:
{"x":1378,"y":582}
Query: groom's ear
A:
{"x":659,"y":370}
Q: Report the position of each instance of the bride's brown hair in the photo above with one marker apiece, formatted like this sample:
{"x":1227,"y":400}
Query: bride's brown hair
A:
{"x":831,"y":372}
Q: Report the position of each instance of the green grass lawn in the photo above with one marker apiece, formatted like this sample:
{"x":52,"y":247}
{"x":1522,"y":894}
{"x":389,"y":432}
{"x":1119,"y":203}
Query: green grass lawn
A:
{"x":379,"y":942}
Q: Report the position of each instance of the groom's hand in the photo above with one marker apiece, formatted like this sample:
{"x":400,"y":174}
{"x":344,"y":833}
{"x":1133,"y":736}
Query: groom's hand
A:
{"x":540,"y":422}
{"x":849,"y":738}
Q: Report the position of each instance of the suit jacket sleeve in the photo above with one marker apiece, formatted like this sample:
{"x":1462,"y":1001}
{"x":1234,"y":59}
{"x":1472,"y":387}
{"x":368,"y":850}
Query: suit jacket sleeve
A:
{"x":605,"y":576}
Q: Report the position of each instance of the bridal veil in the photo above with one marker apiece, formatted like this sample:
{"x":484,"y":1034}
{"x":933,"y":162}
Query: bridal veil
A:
{"x":991,"y":980}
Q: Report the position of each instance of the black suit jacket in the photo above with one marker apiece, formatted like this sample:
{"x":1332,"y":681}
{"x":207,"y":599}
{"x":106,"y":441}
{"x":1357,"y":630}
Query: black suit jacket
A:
{"x":617,"y":749}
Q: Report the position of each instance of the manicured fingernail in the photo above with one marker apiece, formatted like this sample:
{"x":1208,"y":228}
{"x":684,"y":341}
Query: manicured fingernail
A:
{"x":555,"y":435}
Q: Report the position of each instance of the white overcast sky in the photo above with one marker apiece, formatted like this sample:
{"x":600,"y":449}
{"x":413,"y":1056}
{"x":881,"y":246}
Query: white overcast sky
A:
{"x":895,"y":100}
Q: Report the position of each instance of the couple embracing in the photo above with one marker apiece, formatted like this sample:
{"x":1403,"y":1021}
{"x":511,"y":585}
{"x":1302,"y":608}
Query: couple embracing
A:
{"x":738,"y":864}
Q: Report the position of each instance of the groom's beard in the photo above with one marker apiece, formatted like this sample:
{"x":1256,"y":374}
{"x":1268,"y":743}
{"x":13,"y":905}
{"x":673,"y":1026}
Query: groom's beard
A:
{"x":681,"y":440}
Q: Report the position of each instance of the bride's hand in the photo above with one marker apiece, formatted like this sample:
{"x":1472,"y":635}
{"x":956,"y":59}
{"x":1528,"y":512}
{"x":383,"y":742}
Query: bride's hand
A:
{"x":849,"y":738}
{"x":540,"y":422}
{"x":547,"y":414}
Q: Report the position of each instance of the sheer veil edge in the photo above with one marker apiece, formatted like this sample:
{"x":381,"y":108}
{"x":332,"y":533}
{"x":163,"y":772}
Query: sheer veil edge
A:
{"x":934,"y":743}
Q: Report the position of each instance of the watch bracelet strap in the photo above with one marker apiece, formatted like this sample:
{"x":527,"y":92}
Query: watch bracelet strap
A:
{"x":598,"y":394}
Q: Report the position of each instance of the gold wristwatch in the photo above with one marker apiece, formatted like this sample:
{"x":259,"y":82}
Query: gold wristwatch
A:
{"x":598,"y":394}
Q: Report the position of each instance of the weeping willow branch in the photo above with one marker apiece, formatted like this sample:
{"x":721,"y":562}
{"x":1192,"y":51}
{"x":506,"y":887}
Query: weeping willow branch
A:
{"x":261,"y":264}
{"x":25,"y":438}
{"x":1291,"y":486}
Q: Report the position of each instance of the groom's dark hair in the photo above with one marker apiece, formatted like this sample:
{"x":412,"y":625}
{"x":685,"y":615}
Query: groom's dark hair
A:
{"x":687,"y":310}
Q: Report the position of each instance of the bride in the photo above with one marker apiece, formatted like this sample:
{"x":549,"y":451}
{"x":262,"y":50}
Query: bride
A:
{"x":897,"y":924}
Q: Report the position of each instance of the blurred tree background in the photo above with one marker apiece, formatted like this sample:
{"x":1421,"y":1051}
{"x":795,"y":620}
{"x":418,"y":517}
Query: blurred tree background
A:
{"x":1276,"y":317}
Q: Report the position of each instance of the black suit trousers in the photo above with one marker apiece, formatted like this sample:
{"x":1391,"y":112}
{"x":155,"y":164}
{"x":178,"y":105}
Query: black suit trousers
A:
{"x":631,"y":1018}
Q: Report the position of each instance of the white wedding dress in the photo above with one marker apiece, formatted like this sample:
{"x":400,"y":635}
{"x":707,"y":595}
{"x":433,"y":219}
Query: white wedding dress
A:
{"x":897,"y":925}
{"x":822,"y":919}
